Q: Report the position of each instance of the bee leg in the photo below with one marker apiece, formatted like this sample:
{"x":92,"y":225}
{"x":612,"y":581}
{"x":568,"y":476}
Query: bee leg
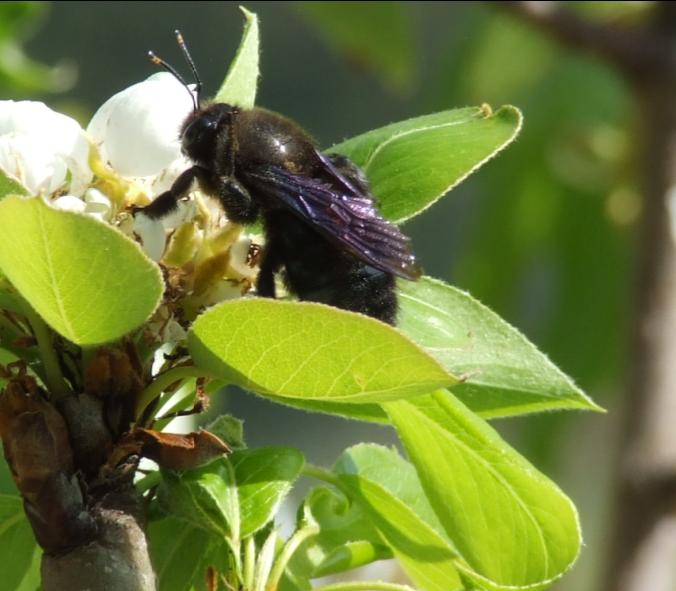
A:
{"x":167,"y":202}
{"x":270,"y":264}
{"x":236,"y":201}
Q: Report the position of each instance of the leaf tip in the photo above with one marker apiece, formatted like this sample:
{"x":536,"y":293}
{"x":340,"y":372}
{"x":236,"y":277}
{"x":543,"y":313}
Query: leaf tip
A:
{"x":511,"y":115}
{"x":485,"y":110}
{"x":251,"y":17}
{"x":592,"y":406}
{"x":240,"y":83}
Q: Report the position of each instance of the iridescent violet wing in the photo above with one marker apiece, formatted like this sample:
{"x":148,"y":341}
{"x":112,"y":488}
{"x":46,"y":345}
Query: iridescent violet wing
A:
{"x":337,"y":208}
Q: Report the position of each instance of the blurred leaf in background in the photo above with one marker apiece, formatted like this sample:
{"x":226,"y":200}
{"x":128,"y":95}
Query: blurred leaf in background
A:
{"x":374,"y":37}
{"x":549,"y":248}
{"x":548,"y":234}
{"x":20,"y":74}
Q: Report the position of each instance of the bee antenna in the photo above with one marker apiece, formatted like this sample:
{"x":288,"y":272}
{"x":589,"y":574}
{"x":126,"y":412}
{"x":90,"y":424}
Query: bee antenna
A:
{"x":158,"y":61}
{"x":191,"y":63}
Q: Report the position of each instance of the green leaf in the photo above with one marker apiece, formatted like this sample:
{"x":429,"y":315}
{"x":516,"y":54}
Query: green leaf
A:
{"x":371,"y":35}
{"x":180,"y":553}
{"x":232,"y":497}
{"x":365,"y":586}
{"x":10,"y":186}
{"x":205,"y":497}
{"x":346,"y":537}
{"x":511,"y":525}
{"x":11,"y":348}
{"x":239,"y":86}
{"x":371,"y":413}
{"x":413,"y":163}
{"x":387,"y":489}
{"x":264,"y":476}
{"x":9,"y":300}
{"x":304,"y":350}
{"x":19,"y":74}
{"x":19,"y":555}
{"x":89,"y":282}
{"x":5,"y":358}
{"x":229,"y":429}
{"x":351,"y":555}
{"x":32,"y":579}
{"x":504,"y":373}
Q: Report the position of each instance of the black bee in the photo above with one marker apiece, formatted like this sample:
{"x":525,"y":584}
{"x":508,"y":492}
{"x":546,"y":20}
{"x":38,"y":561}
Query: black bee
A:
{"x":320,"y":222}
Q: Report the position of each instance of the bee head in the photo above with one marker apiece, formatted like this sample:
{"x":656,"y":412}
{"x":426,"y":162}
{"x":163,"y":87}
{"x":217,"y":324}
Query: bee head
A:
{"x":200,"y":131}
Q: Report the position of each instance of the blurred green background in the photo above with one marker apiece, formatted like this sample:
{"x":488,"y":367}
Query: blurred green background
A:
{"x":542,"y":234}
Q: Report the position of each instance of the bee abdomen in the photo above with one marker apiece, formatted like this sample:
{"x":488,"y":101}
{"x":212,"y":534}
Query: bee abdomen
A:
{"x":319,"y":271}
{"x":371,"y":292}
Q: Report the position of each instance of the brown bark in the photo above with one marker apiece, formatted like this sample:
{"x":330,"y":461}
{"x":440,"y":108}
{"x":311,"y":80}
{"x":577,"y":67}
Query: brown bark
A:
{"x":85,"y":512}
{"x":73,"y":459}
{"x":632,"y":51}
{"x":116,"y":560}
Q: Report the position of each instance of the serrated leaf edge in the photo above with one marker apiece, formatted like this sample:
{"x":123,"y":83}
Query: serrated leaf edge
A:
{"x":136,"y":245}
{"x":591,"y":405}
{"x":354,"y":398}
{"x":485,"y":580}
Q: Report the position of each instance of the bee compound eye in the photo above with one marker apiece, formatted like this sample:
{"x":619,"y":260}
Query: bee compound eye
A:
{"x":199,"y":134}
{"x":199,"y":128}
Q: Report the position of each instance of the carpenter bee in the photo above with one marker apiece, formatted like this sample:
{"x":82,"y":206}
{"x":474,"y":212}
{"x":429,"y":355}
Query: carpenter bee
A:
{"x":322,"y":229}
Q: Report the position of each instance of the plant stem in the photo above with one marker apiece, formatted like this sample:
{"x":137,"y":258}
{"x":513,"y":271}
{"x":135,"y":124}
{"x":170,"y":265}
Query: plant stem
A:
{"x":148,"y":481}
{"x":9,"y":334}
{"x":118,"y":557}
{"x":287,"y":552}
{"x":54,"y":380}
{"x":183,"y":397}
{"x":249,"y":562}
{"x":163,"y":381}
{"x":365,"y":586}
{"x":323,"y":474}
{"x":264,"y":563}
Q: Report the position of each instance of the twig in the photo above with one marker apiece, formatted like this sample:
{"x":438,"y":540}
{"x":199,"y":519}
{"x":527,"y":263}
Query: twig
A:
{"x":633,"y":51}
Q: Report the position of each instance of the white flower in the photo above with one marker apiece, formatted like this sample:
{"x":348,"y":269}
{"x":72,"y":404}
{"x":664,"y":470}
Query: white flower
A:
{"x":69,"y":203}
{"x":137,"y":130}
{"x":137,"y":133}
{"x":44,"y":151}
{"x":135,"y":142}
{"x":167,"y":330}
{"x":151,"y":234}
{"x":95,"y":204}
{"x":239,"y":257}
{"x":159,"y":183}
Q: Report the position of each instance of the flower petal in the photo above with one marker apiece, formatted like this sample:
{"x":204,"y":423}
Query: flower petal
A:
{"x":39,"y":147}
{"x":151,"y":234}
{"x":137,"y":130}
{"x":69,"y":203}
